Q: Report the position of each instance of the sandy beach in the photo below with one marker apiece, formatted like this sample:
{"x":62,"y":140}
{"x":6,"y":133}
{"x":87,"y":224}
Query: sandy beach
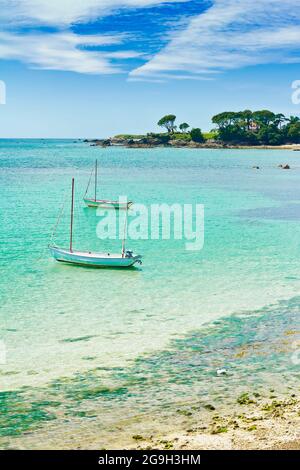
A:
{"x":262,"y":425}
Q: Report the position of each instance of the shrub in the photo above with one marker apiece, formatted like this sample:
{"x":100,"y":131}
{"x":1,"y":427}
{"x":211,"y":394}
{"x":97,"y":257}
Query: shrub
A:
{"x":196,"y":135}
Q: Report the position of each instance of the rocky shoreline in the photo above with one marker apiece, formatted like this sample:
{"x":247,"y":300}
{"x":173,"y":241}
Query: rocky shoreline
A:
{"x":256,"y":423}
{"x":152,"y":142}
{"x":246,"y":395}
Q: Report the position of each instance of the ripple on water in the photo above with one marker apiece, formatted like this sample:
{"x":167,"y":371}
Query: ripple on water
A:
{"x":255,"y":349}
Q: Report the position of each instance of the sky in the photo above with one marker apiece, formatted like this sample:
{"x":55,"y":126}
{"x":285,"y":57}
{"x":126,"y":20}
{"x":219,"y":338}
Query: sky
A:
{"x":96,"y":68}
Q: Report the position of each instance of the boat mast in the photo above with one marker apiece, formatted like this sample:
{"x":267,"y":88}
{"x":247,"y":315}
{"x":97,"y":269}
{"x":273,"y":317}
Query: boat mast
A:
{"x":96,"y":176}
{"x":124,"y":235}
{"x":72,"y":216}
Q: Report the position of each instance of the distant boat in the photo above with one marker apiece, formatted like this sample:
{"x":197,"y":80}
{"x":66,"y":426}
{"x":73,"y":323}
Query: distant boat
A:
{"x":87,"y":258}
{"x":104,"y":203}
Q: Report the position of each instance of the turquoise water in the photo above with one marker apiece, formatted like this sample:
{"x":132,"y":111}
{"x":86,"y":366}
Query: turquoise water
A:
{"x":66,"y":322}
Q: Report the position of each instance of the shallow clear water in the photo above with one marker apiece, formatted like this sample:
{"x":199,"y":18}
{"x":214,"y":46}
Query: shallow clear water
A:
{"x":58,"y":321}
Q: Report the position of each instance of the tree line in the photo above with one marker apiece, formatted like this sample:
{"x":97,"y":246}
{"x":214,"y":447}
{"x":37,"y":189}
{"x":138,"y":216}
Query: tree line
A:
{"x":257,"y":127}
{"x":168,"y":122}
{"x":243,"y":127}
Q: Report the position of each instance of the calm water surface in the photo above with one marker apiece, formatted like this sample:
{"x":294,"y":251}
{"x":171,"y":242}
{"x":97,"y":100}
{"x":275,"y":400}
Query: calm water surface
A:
{"x":175,"y":320}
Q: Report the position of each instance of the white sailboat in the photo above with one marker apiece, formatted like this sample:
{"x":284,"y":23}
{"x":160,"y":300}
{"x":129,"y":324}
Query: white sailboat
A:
{"x":104,"y":203}
{"x":125,"y":259}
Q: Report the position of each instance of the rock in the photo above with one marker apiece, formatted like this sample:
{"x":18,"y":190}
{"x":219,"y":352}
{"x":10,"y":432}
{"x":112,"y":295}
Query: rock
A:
{"x":98,"y":142}
{"x":209,"y":407}
{"x":284,"y":167}
{"x":106,"y":143}
{"x":179,"y":143}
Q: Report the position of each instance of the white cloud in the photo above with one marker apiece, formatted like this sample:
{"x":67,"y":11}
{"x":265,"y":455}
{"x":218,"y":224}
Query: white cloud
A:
{"x":59,"y":51}
{"x":63,"y":50}
{"x":230,"y":34}
{"x":65,"y":12}
{"x":123,"y":55}
{"x":162,"y":77}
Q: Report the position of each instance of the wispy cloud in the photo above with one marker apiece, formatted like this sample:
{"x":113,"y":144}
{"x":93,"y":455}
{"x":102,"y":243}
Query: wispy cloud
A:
{"x":66,"y":12}
{"x":230,"y":34}
{"x":62,"y":49}
{"x":163,"y":77}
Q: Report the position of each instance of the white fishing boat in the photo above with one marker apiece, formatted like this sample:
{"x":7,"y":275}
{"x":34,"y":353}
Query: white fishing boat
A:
{"x":125,"y":259}
{"x":104,"y":203}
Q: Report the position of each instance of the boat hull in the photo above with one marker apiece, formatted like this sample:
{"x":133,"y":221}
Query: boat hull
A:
{"x":105,"y":204}
{"x":97,"y":260}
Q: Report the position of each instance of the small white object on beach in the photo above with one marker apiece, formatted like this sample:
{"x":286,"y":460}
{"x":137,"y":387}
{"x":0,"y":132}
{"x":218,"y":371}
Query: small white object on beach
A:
{"x":221,"y":371}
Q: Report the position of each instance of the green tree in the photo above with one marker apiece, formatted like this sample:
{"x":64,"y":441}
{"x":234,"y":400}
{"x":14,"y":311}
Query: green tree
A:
{"x":168,"y":122}
{"x":270,"y":135}
{"x":279,"y":120}
{"x":263,"y":117}
{"x":247,"y":116}
{"x":233,"y":133}
{"x":262,"y":127}
{"x":293,"y":132}
{"x":196,"y":135}
{"x":224,"y":119}
{"x":293,"y":120}
{"x":184,"y":126}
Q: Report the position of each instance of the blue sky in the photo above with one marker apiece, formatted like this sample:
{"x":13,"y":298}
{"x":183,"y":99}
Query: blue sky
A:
{"x":94,"y":68}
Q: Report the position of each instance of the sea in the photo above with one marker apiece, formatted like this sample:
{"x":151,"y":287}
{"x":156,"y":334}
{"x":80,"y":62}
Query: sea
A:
{"x":102,"y":357}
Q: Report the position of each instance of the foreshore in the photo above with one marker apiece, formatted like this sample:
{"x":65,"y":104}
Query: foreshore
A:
{"x":129,"y":143}
{"x":253,"y":403}
{"x":257,"y":423}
